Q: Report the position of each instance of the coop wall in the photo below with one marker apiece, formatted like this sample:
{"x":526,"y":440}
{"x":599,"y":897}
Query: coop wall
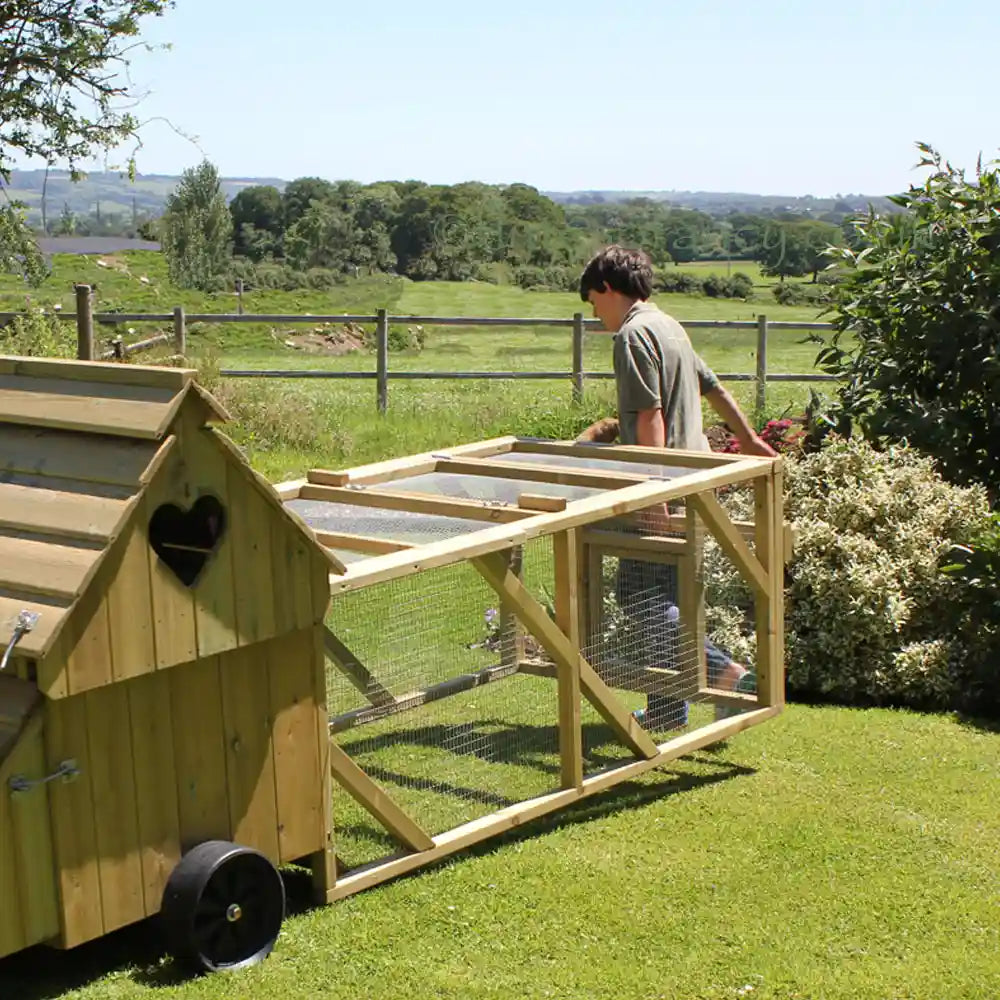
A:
{"x":136,"y":616}
{"x":29,"y":911}
{"x":230,"y":747}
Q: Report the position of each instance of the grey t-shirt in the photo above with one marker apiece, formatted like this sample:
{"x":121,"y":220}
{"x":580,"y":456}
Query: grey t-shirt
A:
{"x":656,"y":366}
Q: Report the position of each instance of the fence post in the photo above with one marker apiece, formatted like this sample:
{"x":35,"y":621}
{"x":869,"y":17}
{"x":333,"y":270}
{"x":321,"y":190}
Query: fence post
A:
{"x":382,"y":359}
{"x":84,"y":324}
{"x":180,"y":332}
{"x":239,"y":296}
{"x":577,"y":357}
{"x":761,"y":366}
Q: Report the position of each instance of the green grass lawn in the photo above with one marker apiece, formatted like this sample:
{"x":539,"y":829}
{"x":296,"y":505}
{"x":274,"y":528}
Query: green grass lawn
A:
{"x":830,"y":853}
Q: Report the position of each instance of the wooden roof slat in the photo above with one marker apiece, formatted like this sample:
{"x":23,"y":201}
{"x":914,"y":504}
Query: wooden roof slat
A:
{"x":157,"y":376}
{"x":37,"y":641}
{"x":35,"y":567}
{"x":54,"y":512}
{"x":27,"y":401}
{"x":42,"y":452}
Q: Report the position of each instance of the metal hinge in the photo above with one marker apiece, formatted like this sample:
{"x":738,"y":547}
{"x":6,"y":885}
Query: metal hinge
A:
{"x":67,"y":770}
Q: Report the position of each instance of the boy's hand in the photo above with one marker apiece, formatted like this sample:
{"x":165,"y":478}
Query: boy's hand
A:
{"x":602,"y":431}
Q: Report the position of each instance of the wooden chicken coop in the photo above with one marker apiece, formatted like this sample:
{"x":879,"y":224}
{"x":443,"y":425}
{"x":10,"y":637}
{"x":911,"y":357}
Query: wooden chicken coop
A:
{"x":163,"y":688}
{"x":465,"y":640}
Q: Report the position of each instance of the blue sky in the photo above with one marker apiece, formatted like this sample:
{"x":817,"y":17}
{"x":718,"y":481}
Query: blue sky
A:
{"x":758,"y":96}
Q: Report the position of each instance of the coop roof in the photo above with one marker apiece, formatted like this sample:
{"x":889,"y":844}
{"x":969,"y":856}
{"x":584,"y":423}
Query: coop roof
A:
{"x":408,"y":514}
{"x":79,"y":442}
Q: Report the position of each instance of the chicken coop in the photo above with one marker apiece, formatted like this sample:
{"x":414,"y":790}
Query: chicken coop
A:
{"x":206,"y":677}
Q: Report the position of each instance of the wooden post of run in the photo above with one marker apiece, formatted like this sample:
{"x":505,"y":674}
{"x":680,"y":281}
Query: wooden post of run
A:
{"x":761,"y":366}
{"x":382,"y":359}
{"x":84,"y":323}
{"x":180,"y":332}
{"x":577,"y":357}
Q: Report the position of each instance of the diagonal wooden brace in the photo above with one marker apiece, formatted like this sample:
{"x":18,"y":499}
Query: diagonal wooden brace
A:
{"x":355,"y":671}
{"x":493,"y":568}
{"x":731,"y":541}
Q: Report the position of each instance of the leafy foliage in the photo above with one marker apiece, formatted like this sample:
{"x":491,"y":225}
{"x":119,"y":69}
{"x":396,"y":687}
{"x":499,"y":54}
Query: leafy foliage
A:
{"x":922,"y":306}
{"x":196,"y":230}
{"x":63,"y":93}
{"x":870,"y":617}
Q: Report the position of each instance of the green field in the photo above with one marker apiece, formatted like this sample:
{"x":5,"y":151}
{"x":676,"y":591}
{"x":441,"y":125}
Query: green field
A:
{"x":290,"y":422}
{"x":829,"y":855}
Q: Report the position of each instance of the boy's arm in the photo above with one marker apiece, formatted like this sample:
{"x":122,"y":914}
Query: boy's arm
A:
{"x":728,"y":409}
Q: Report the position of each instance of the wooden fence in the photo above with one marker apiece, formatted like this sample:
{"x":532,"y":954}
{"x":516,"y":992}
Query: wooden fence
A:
{"x":86,"y":319}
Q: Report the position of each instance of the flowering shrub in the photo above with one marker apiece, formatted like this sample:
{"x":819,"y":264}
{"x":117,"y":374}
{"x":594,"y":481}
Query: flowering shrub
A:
{"x":870,"y":617}
{"x":784,"y":436}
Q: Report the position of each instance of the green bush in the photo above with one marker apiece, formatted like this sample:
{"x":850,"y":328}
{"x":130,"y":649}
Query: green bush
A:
{"x":797,"y":294}
{"x":870,"y":617}
{"x":39,"y":335}
{"x":920,"y":318}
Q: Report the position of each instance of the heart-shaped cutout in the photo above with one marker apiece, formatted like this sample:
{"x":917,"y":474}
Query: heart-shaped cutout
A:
{"x":184,"y":540}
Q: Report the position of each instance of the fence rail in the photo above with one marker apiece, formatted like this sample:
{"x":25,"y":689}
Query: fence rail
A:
{"x":85,"y":319}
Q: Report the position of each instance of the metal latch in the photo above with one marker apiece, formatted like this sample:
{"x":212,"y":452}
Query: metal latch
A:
{"x":26,"y":621}
{"x":66,"y":770}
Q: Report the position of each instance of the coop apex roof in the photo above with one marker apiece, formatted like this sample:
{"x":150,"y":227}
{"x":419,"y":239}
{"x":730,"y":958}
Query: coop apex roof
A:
{"x":79,"y":443}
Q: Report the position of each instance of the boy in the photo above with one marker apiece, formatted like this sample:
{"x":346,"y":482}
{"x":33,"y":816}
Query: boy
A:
{"x":660,"y":381}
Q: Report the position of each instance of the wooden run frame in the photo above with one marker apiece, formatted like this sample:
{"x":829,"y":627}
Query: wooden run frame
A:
{"x":493,"y":545}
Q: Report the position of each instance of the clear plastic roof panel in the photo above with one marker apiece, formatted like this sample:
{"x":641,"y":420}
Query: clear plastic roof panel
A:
{"x":377,"y":522}
{"x":593,"y":464}
{"x":487,"y":488}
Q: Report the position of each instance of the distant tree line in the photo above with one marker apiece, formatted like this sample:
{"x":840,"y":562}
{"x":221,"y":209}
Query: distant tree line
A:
{"x":317,"y":232}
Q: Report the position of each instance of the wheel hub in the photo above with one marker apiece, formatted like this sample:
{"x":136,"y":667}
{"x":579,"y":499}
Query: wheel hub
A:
{"x":234,"y":912}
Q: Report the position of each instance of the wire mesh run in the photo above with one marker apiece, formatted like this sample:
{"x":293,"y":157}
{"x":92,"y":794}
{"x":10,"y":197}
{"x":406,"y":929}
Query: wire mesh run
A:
{"x":447,"y":725}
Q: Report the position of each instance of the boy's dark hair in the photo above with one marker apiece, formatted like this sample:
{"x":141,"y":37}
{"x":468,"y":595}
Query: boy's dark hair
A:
{"x":622,"y":270}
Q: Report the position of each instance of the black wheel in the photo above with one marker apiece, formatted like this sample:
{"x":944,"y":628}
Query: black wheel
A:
{"x":222,"y":907}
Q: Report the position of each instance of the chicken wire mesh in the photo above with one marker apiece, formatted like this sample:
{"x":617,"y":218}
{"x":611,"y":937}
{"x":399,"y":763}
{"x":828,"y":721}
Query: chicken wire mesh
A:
{"x":458,"y":734}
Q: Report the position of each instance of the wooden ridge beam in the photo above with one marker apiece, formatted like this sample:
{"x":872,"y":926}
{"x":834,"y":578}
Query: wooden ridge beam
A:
{"x":360,"y":543}
{"x":374,"y":799}
{"x":628,"y":453}
{"x":539,"y":473}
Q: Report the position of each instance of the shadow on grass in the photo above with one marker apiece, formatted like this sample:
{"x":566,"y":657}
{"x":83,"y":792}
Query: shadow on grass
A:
{"x":980,"y":723}
{"x":137,"y":951}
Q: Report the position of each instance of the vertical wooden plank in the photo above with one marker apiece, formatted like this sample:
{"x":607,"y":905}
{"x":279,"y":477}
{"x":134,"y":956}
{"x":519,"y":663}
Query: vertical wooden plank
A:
{"x":88,"y":643}
{"x":324,"y":861}
{"x":199,"y":753}
{"x":130,"y":605}
{"x":770,"y":642}
{"x":776,"y":570}
{"x":566,"y":552}
{"x":301,"y":556}
{"x":250,"y":518}
{"x":174,"y":637}
{"x":72,"y":810}
{"x":39,"y":903}
{"x":294,"y":699}
{"x":283,"y":576}
{"x":150,"y":714}
{"x":691,"y":601}
{"x":253,"y":810}
{"x":11,"y":926}
{"x":214,"y":590}
{"x":112,"y":781}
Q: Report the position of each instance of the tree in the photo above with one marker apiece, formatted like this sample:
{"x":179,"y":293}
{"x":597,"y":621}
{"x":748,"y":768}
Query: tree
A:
{"x":258,"y":220}
{"x":64,"y":92}
{"x":917,"y":345}
{"x":301,"y":193}
{"x":196,"y":230}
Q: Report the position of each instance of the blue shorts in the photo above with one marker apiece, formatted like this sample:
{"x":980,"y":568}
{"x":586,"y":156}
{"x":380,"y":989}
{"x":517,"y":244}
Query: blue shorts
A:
{"x":647,"y":594}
